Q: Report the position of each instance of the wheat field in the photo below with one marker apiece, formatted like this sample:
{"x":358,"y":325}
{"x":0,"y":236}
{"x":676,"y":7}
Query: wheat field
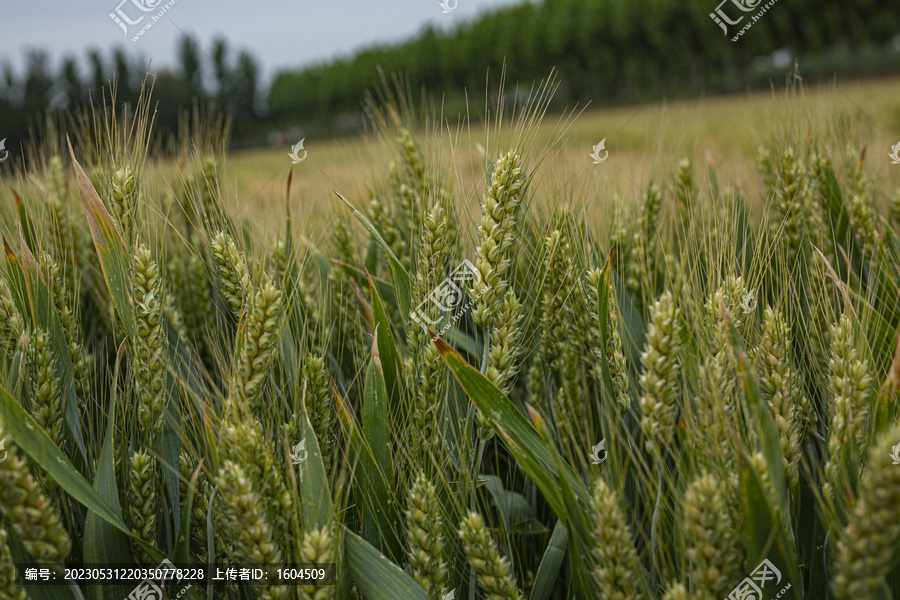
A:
{"x":644,"y":142}
{"x":452,"y":360}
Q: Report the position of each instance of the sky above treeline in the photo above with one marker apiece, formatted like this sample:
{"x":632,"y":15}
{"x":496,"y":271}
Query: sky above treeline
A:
{"x":280,"y":34}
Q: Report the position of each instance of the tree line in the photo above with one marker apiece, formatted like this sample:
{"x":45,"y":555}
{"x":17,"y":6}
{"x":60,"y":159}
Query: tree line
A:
{"x":230,"y":82}
{"x":611,"y":51}
{"x":608,"y":51}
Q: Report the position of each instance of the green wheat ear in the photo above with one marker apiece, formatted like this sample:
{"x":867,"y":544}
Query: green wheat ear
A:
{"x":70,"y":324}
{"x":617,"y":567}
{"x":660,"y":378}
{"x":344,"y":248}
{"x":124,"y":202}
{"x":10,"y":320}
{"x":317,"y":547}
{"x":63,"y":235}
{"x":434,"y":254}
{"x":149,"y":341}
{"x":781,"y":388}
{"x":46,"y":398}
{"x":199,"y":507}
{"x":864,"y":219}
{"x":850,"y":385}
{"x":173,"y":313}
{"x":684,"y":184}
{"x":409,"y":182}
{"x":412,"y":159}
{"x":385,"y":225}
{"x":677,"y":591}
{"x":861,"y":207}
{"x":713,"y":541}
{"x":8,"y":587}
{"x":618,"y":368}
{"x":31,"y":516}
{"x":496,"y":234}
{"x":278,"y":260}
{"x":192,"y":292}
{"x":493,"y":571}
{"x":503,"y":357}
{"x":258,"y":345}
{"x":642,"y":266}
{"x":234,"y":278}
{"x":565,"y":330}
{"x":246,"y":524}
{"x":728,"y":297}
{"x":143,"y":501}
{"x":426,"y":542}
{"x":430,"y":270}
{"x":320,"y":404}
{"x":766,"y":168}
{"x":243,"y":443}
{"x":867,"y":545}
{"x":894,"y":206}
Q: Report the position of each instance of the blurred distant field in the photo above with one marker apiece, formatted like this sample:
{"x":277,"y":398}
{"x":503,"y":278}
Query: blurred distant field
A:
{"x":644,"y":143}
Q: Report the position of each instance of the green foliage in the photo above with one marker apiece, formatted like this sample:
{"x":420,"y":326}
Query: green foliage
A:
{"x":604,"y":50}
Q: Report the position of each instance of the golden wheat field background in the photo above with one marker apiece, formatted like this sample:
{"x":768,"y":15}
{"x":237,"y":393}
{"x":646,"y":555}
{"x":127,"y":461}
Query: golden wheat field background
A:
{"x":644,"y":141}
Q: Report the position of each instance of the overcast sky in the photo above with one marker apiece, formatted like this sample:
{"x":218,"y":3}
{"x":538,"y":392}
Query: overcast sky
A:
{"x":279,"y":33}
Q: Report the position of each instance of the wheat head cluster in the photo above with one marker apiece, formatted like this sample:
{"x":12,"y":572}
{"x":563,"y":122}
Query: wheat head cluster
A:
{"x":177,"y":385}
